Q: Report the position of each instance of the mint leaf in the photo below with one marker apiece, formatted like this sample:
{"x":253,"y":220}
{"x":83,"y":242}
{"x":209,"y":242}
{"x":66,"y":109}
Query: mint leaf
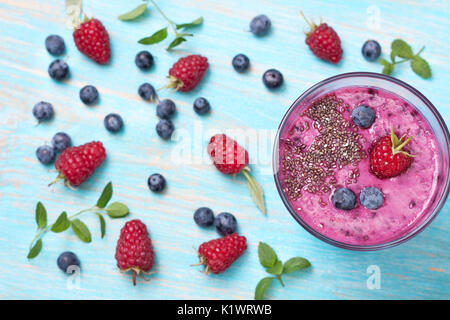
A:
{"x":176,"y":42}
{"x":41,"y":215}
{"x":133,"y":14}
{"x":81,"y":230}
{"x":194,"y":23}
{"x":421,"y":67}
{"x":61,"y":224}
{"x":400,"y":48}
{"x":34,"y":251}
{"x":256,"y":192}
{"x":277,"y":269}
{"x":102,"y":224}
{"x":261,"y":287}
{"x":158,"y":36}
{"x":106,"y":196}
{"x":267,"y":256}
{"x":295,"y":264}
{"x":388,"y":67}
{"x":117,"y":210}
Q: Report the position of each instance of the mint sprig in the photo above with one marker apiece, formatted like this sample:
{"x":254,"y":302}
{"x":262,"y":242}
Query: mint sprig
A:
{"x":269,"y":260}
{"x":64,"y":222}
{"x":401,"y":49}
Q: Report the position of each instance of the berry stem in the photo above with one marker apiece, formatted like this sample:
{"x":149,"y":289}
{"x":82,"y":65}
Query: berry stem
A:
{"x":281,"y":280}
{"x":172,"y":24}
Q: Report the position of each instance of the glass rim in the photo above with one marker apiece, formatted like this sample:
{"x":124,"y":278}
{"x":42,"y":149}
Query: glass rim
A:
{"x":392,"y":243}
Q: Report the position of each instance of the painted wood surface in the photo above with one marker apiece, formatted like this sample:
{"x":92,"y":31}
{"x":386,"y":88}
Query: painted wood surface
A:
{"x":414,"y":270}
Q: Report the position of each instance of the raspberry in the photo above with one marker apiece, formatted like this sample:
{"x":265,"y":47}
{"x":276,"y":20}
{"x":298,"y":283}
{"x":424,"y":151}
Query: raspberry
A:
{"x":76,"y":164}
{"x":187,"y":72}
{"x":388,"y":158}
{"x":134,"y":249}
{"x":218,"y":254}
{"x":227,"y":155}
{"x":324,"y":42}
{"x":92,"y":39}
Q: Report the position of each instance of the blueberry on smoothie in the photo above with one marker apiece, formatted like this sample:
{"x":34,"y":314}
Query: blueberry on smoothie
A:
{"x":371,"y":50}
{"x":66,"y":260}
{"x":225,"y":223}
{"x":371,"y":198}
{"x":344,"y":199}
{"x":260,"y":25}
{"x":204,"y":217}
{"x":363,"y":116}
{"x":61,"y":141}
{"x":58,"y":70}
{"x":55,"y":45}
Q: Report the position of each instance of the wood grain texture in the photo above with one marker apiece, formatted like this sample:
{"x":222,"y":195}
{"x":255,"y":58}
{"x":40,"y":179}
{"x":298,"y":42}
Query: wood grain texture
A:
{"x":417,"y":269}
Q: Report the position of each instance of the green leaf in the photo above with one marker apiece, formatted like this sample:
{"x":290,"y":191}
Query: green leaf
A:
{"x":102,"y":224}
{"x":277,"y":269}
{"x":261,"y":287}
{"x":35,"y":250}
{"x":41,"y":215}
{"x":267,"y":256}
{"x":401,"y":48}
{"x":176,"y":42}
{"x":388,"y":67}
{"x":421,"y":67}
{"x":256,"y":192}
{"x":158,"y":36}
{"x":61,"y":224}
{"x":194,"y":23}
{"x":133,"y":14}
{"x":117,"y":210}
{"x":81,"y":230}
{"x":106,"y":196}
{"x":295,"y":264}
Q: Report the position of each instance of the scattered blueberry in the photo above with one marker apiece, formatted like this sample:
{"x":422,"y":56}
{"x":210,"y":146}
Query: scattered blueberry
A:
{"x":55,"y":45}
{"x":225,"y":223}
{"x":201,"y":106}
{"x":89,"y":94}
{"x":58,"y":70}
{"x":144,"y":60}
{"x":61,"y":141}
{"x":113,"y":122}
{"x":344,"y":199}
{"x":45,"y":154}
{"x":166,"y":109}
{"x":363,"y":116}
{"x":156,"y":182}
{"x":165,"y":128}
{"x":272,"y":78}
{"x":204,"y":217}
{"x":240,"y":62}
{"x":147,"y":92}
{"x":371,"y":198}
{"x":260,"y":25}
{"x":67,"y":259}
{"x":371,"y":50}
{"x":43,"y":111}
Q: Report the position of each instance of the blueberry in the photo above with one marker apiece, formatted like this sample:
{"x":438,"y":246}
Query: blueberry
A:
{"x":344,"y":199}
{"x":89,"y":94}
{"x":272,"y":78}
{"x":113,"y":122}
{"x":147,"y":92}
{"x":43,"y":111}
{"x":240,"y":62}
{"x":67,"y":259}
{"x":204,"y":217}
{"x":55,"y":45}
{"x":201,"y":106}
{"x":165,"y":128}
{"x":61,"y":141}
{"x":58,"y":70}
{"x":166,"y":109}
{"x":260,"y":25}
{"x":371,"y":50}
{"x":156,"y":182}
{"x":363,"y":116}
{"x":45,"y":154}
{"x":144,"y":60}
{"x":371,"y":198}
{"x":225,"y":223}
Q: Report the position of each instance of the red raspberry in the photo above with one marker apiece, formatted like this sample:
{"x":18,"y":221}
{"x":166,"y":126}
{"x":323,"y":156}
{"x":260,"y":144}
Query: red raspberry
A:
{"x":92,"y":39}
{"x":134,"y":249}
{"x":227,"y":155}
{"x":187,"y":72}
{"x":76,"y":164}
{"x":387,"y":159}
{"x":218,"y":254}
{"x":324,"y":42}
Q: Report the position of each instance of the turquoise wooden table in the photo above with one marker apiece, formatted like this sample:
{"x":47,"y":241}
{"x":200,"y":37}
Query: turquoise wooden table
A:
{"x":416,"y":269}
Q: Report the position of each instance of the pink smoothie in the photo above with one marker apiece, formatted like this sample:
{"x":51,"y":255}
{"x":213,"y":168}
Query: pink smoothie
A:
{"x":309,"y":186}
